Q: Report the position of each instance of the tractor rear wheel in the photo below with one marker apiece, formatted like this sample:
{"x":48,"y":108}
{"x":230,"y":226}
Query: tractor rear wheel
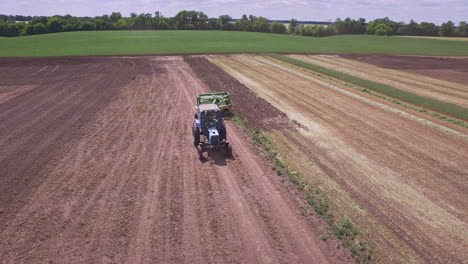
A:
{"x":200,"y":152}
{"x":229,"y":150}
{"x":196,"y":136}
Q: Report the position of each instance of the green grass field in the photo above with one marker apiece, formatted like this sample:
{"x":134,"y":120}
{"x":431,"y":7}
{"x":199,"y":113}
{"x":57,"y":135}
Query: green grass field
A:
{"x":171,"y":42}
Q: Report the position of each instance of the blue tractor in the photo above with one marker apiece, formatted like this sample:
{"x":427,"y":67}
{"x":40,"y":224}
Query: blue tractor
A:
{"x":209,"y":130}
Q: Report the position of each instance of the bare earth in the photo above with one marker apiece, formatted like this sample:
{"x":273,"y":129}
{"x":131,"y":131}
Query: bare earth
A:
{"x":98,"y":166}
{"x":404,"y":183}
{"x":453,"y":69}
{"x":438,"y":89}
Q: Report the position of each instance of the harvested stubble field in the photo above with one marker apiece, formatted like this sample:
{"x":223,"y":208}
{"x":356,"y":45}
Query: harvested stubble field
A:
{"x":98,"y":166}
{"x":401,"y":179}
{"x":446,"y":91}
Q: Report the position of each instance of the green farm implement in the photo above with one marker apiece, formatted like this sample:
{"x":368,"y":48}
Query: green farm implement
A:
{"x":222,"y":100}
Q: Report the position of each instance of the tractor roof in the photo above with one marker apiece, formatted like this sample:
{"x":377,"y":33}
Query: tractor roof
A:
{"x":208,"y":107}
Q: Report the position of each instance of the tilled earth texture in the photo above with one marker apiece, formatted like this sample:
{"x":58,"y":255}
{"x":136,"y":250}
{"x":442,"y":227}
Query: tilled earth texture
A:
{"x":453,"y":69}
{"x":450,"y":92}
{"x":401,"y":178}
{"x":98,"y":166}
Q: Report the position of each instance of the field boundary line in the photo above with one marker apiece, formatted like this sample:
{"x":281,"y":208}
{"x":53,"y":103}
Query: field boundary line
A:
{"x":369,"y":101}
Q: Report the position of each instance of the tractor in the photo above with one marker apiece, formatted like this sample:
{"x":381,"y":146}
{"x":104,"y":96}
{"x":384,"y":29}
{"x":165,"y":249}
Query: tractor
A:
{"x":209,"y":130}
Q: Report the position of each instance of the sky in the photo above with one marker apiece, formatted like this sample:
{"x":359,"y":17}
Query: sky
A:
{"x":436,"y":11}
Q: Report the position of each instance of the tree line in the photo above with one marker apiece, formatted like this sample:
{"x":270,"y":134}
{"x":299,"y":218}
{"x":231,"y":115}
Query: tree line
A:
{"x":11,"y":26}
{"x":385,"y":26}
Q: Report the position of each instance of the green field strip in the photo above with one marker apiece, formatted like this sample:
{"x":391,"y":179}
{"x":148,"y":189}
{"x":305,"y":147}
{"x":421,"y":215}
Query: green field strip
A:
{"x":147,"y":42}
{"x":382,"y":89}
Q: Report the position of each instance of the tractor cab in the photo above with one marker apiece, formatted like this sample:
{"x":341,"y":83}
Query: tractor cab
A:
{"x":210,"y":118}
{"x":209,"y":130}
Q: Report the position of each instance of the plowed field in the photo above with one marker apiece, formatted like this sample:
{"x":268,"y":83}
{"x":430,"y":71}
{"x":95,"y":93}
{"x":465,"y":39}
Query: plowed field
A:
{"x":402,"y":180}
{"x":453,"y":69}
{"x":451,"y":92}
{"x":97,"y":166}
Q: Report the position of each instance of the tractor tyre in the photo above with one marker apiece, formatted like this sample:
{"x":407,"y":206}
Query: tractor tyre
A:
{"x":200,"y":152}
{"x":228,"y":150}
{"x":196,"y":136}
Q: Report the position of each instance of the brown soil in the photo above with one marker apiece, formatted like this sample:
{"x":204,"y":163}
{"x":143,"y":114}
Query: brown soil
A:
{"x":100,"y":167}
{"x":402,"y":182}
{"x":35,"y":124}
{"x":251,"y":107}
{"x":446,"y":68}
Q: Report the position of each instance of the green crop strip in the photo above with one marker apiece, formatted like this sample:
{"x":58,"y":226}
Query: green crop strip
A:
{"x":382,"y":89}
{"x":145,"y":42}
{"x":343,"y":229}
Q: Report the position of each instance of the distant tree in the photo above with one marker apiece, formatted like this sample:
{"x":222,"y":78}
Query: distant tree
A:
{"x":316,"y":30}
{"x":115,"y":16}
{"x":191,"y":20}
{"x":278,"y":28}
{"x":202,"y":21}
{"x":341,"y":26}
{"x":133,"y":14}
{"x":428,"y":29}
{"x":3,"y":18}
{"x":142,"y":21}
{"x":382,"y":26}
{"x":462,"y":29}
{"x":163,"y":25}
{"x":171,"y":21}
{"x":293,"y":25}
{"x":244,"y":24}
{"x":3,"y":28}
{"x":42,"y":20}
{"x":13,"y":29}
{"x":261,"y":24}
{"x":225,"y":19}
{"x":214,"y":24}
{"x":87,"y":26}
{"x":350,"y":26}
{"x":39,"y":28}
{"x":157,"y":14}
{"x":54,"y":25}
{"x":229,"y":27}
{"x":122,"y":24}
{"x":20,"y":18}
{"x":28,"y":30}
{"x":360,"y":26}
{"x":447,"y":29}
{"x":383,"y":30}
{"x":331,"y":30}
{"x":100,"y":23}
{"x":412,"y":29}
